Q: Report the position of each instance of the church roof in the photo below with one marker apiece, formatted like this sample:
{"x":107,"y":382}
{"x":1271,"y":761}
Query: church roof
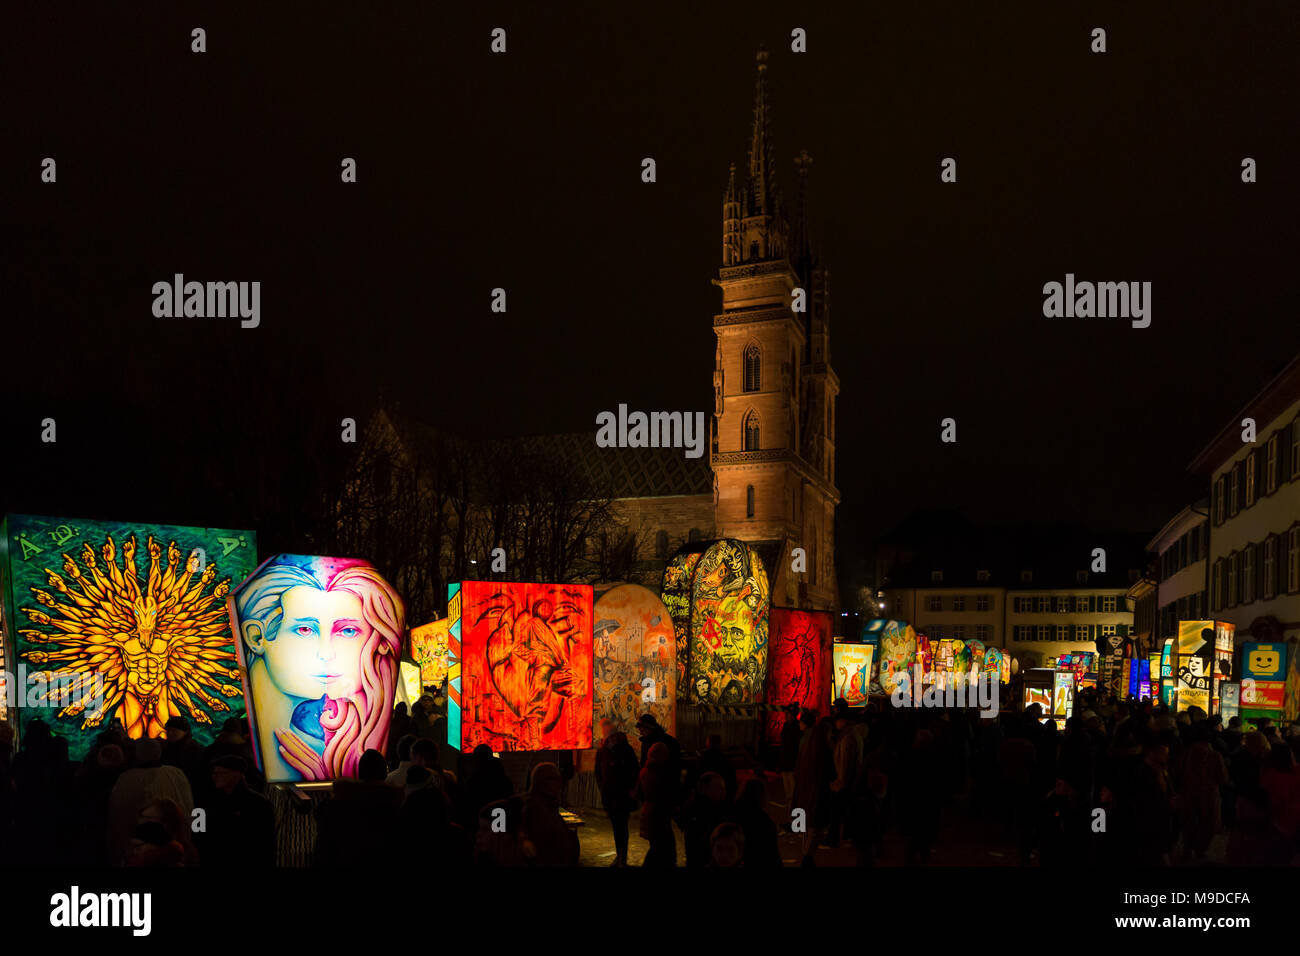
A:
{"x":634,"y":472}
{"x":611,"y":472}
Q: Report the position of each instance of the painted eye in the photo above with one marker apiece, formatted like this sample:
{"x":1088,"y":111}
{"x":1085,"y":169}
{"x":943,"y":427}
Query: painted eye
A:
{"x":304,"y":630}
{"x":349,"y":632}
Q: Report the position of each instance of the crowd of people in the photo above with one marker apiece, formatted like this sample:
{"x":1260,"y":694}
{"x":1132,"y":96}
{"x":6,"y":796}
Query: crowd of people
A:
{"x":1125,"y":783}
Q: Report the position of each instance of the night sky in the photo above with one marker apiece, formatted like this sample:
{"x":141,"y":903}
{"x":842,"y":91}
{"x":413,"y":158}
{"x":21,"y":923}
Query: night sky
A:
{"x":523,"y":171}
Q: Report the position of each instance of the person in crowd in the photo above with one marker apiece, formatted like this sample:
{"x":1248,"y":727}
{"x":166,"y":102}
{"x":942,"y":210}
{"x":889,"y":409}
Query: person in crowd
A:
{"x":1200,"y":794}
{"x":921,"y":796}
{"x":1280,"y":782}
{"x":147,"y":781}
{"x":399,"y":726}
{"x":727,"y":846}
{"x":7,"y":788}
{"x":814,"y":771}
{"x":657,"y":791}
{"x":485,"y":782}
{"x":182,"y":751}
{"x":496,"y":834}
{"x":706,"y":809}
{"x":791,"y":734}
{"x":397,"y":777}
{"x":715,"y":760}
{"x":167,"y":818}
{"x":1155,"y":801}
{"x":429,"y":833}
{"x":94,"y":788}
{"x":616,"y":777}
{"x":546,"y":839}
{"x":761,"y":840}
{"x":43,"y":795}
{"x":235,"y":741}
{"x":651,"y":733}
{"x":1018,"y":768}
{"x":847,"y":758}
{"x":240,"y":827}
{"x":359,"y":825}
{"x":423,"y":719}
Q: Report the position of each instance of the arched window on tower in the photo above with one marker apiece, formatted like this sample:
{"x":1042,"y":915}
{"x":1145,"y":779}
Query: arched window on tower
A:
{"x":749,"y":501}
{"x":751,"y":432}
{"x":753,"y":368}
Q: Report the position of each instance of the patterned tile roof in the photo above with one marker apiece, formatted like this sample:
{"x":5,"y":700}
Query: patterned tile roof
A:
{"x":634,"y":472}
{"x":613,"y":472}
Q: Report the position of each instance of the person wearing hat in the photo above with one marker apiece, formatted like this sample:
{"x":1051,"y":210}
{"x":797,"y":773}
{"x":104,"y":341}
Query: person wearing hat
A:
{"x":240,"y":825}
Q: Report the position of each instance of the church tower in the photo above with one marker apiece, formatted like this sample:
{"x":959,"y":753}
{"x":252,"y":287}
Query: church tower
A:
{"x":773,"y":450}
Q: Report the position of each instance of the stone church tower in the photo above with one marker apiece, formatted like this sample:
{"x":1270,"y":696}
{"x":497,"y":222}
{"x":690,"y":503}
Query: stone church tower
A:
{"x":773,"y":453}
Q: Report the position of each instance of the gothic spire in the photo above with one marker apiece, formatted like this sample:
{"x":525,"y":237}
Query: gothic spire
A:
{"x":764,"y":195}
{"x":802,"y":248}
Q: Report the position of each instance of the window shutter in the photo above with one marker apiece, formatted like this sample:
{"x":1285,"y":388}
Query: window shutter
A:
{"x":1283,"y":556}
{"x":1121,"y":630}
{"x":1092,"y":604}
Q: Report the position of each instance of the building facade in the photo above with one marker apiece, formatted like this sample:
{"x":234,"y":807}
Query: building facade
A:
{"x":1181,"y":547}
{"x":769,"y":477}
{"x":1254,"y":531}
{"x":773,"y":453}
{"x":1030,"y":591}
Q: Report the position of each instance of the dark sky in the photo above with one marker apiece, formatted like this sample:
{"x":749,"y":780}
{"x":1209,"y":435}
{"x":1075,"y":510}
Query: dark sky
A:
{"x":523,"y":171}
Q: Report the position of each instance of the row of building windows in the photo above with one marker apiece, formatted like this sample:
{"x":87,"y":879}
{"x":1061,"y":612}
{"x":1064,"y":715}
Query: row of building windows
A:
{"x":1062,"y":632}
{"x":1032,"y":604}
{"x":958,"y":602}
{"x":960,"y":632}
{"x":1259,"y":473}
{"x":1186,"y":551}
{"x":1066,"y":604}
{"x":1027,"y":577}
{"x":1258,"y":571}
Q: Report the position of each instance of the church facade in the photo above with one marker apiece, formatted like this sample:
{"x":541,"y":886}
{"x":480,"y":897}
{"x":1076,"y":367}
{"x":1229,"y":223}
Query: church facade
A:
{"x":769,"y":477}
{"x":772,"y":456}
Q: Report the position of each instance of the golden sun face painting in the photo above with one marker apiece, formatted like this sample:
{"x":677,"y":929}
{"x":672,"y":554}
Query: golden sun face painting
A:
{"x":124,"y":623}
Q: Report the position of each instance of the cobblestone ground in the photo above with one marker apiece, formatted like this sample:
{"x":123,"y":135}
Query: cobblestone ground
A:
{"x":961,"y":842}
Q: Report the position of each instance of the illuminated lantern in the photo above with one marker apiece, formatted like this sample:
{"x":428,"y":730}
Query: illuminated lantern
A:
{"x":1195,"y":654}
{"x":319,"y":640}
{"x":800,"y":662}
{"x":676,"y":593}
{"x":429,"y":650}
{"x":898,"y":651}
{"x":110,"y":621}
{"x":634,"y":660}
{"x":525,"y":654}
{"x":729,"y":625}
{"x":852,"y":672}
{"x":409,"y":688}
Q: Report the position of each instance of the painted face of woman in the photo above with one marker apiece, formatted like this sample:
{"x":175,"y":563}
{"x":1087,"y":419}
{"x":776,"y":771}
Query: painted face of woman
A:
{"x":317,"y":651}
